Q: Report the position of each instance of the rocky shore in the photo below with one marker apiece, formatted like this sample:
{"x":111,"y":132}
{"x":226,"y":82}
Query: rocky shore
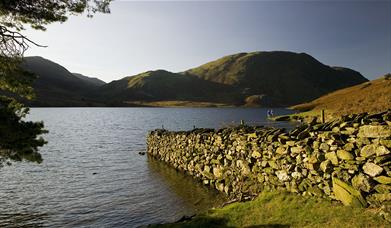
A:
{"x":347,"y":159}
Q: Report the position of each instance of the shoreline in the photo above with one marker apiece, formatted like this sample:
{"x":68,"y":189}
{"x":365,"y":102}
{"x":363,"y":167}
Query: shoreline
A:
{"x":179,"y":149}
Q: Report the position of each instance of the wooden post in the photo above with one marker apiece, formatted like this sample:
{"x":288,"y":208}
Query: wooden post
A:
{"x":322,"y":116}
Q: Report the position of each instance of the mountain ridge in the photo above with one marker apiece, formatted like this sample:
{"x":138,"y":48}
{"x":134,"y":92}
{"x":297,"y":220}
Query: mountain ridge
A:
{"x":276,"y":78}
{"x":279,"y":78}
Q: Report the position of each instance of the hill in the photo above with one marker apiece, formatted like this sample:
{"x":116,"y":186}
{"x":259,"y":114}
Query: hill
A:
{"x":373,"y":96}
{"x":282,"y":78}
{"x":91,"y":80}
{"x":56,"y":86}
{"x":161,"y":85}
{"x":266,"y":79}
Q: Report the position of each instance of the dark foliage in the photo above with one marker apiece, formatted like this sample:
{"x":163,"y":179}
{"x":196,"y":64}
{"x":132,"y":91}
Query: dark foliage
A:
{"x":18,"y":138}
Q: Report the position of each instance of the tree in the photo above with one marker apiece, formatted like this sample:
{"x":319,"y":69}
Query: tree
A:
{"x":19,"y":139}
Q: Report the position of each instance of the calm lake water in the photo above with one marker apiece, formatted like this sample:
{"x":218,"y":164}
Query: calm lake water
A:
{"x":92,"y":175}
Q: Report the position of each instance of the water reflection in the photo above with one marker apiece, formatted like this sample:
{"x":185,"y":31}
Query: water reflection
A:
{"x":23,"y":219}
{"x":192,"y":192}
{"x":127,"y":190}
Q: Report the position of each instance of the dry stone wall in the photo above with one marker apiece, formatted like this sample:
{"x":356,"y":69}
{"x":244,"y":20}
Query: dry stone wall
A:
{"x":347,"y":159}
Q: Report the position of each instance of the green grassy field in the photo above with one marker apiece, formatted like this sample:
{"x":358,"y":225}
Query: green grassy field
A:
{"x":283,"y":209}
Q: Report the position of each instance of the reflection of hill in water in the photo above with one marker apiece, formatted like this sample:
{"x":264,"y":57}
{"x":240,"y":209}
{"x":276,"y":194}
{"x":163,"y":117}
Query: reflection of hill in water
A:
{"x":22,"y":219}
{"x":191,"y":191}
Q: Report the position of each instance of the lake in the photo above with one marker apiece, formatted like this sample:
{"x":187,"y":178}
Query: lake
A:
{"x":93,"y":176}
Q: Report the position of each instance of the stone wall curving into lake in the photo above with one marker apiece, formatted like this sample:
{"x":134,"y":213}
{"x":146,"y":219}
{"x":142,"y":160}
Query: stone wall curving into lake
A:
{"x":347,"y":159}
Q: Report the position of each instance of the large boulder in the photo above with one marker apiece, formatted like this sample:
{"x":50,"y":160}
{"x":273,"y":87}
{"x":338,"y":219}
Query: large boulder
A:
{"x":347,"y":194}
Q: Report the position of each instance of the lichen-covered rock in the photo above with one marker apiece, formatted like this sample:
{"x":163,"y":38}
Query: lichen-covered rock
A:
{"x":324,"y":146}
{"x":347,"y":194}
{"x":379,"y":198}
{"x":243,"y":166}
{"x":344,"y":155}
{"x":383,"y":188}
{"x":256,"y":154}
{"x":382,"y":150}
{"x":218,"y":172}
{"x":332,"y":156}
{"x":281,"y":150}
{"x":386,"y":143}
{"x":348,"y":147}
{"x":325,"y":166}
{"x":372,"y":169}
{"x":383,"y":179}
{"x":368,"y":151}
{"x":361,"y":182}
{"x":377,"y":131}
{"x":282,"y":175}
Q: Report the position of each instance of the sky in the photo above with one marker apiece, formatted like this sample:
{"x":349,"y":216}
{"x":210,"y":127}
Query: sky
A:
{"x":138,"y":36}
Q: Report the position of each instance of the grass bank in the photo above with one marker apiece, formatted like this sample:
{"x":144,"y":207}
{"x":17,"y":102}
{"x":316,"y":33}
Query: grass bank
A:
{"x":283,"y":209}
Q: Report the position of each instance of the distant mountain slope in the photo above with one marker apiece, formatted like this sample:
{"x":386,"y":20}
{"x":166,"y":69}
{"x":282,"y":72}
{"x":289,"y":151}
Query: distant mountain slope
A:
{"x":93,"y":81}
{"x":56,"y":86}
{"x":161,"y":85}
{"x":251,"y":79}
{"x":373,"y":96}
{"x":285,"y":77}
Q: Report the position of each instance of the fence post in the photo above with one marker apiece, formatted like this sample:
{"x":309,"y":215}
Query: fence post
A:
{"x":322,"y":118}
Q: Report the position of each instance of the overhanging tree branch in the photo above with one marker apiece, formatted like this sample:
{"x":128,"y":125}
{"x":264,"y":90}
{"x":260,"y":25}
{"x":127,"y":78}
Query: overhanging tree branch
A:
{"x":13,"y":43}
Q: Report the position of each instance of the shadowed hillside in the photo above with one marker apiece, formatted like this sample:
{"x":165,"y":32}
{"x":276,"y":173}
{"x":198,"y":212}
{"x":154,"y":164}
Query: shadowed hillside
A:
{"x":373,"y":96}
{"x":93,"y":81}
{"x":283,"y":78}
{"x":56,"y":86}
{"x":162,"y":85}
{"x":251,"y":79}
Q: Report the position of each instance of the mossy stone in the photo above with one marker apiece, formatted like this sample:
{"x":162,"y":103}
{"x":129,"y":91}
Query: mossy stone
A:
{"x":383,"y":179}
{"x":325,"y":166}
{"x":344,"y":155}
{"x":382,"y":150}
{"x":256,"y":154}
{"x":348,"y":147}
{"x":332,"y":156}
{"x":347,"y":194}
{"x":324,"y":146}
{"x":382,"y":188}
{"x":372,"y":169}
{"x":361,"y":182}
{"x":368,"y":151}
{"x":370,"y":131}
{"x":281,"y":150}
